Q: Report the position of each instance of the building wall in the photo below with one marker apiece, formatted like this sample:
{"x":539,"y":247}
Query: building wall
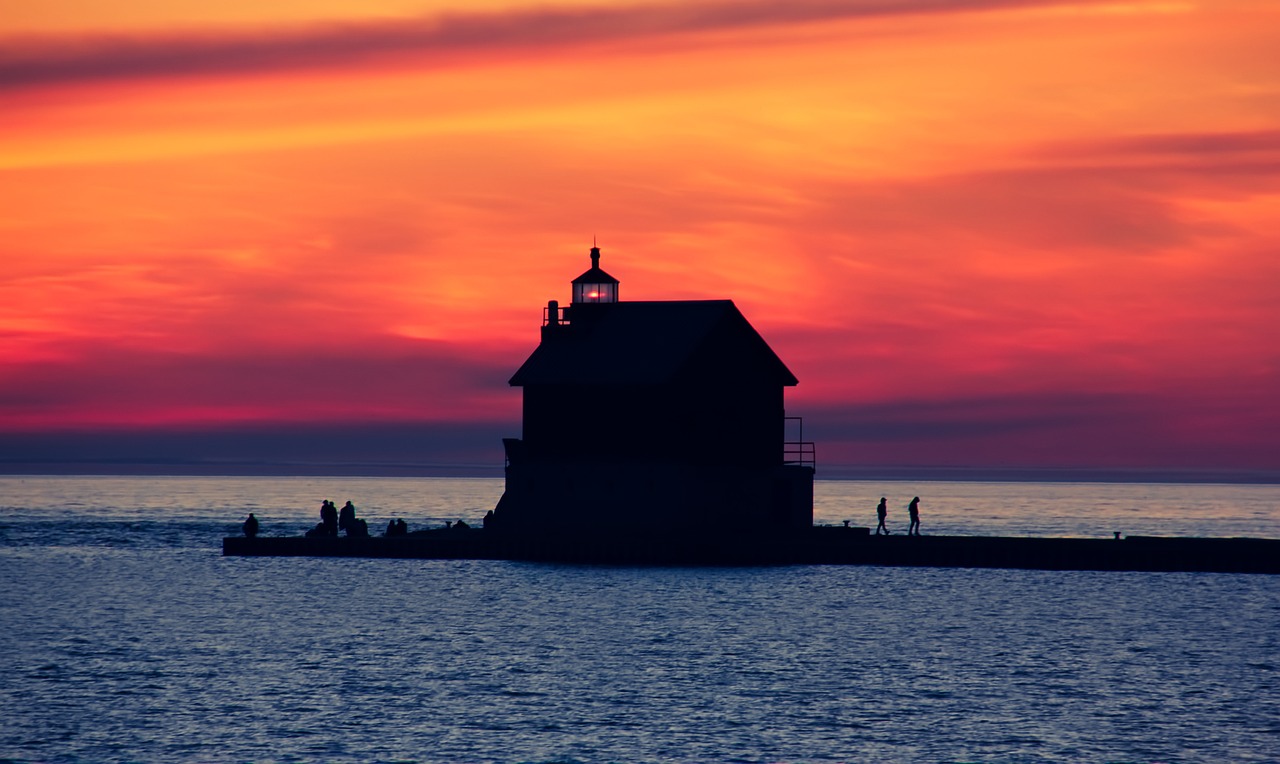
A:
{"x":694,"y":424}
{"x":699,"y":452}
{"x":583,"y":498}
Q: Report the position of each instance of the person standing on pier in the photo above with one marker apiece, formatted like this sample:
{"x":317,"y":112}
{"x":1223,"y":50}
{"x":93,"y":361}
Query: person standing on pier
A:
{"x":882,"y":511}
{"x":329,"y":518}
{"x":250,"y":526}
{"x":913,"y":509}
{"x":347,"y":517}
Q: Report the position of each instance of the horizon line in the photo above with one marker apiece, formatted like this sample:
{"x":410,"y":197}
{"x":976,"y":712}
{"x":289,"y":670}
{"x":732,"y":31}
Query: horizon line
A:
{"x":464,"y":470}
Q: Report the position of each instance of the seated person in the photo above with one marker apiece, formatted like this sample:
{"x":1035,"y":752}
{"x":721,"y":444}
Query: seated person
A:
{"x":358,"y":528}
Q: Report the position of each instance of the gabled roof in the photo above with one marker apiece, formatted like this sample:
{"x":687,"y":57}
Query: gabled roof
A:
{"x":647,"y":343}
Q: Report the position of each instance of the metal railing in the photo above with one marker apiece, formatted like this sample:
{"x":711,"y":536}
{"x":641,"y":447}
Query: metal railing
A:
{"x":799,"y":451}
{"x":562,"y":316}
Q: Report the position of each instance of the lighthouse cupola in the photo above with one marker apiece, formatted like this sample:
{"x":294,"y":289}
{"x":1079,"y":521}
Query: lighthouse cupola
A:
{"x":595,"y":286}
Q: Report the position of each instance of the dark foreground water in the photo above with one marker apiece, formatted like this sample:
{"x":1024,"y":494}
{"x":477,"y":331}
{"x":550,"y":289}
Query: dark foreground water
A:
{"x":124,"y":636}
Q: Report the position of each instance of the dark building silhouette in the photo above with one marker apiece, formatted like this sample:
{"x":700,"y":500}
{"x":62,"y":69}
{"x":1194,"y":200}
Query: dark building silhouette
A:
{"x":642,"y":417}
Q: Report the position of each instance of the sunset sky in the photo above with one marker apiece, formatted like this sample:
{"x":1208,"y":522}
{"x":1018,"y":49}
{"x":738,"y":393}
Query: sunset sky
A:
{"x":982,"y":233}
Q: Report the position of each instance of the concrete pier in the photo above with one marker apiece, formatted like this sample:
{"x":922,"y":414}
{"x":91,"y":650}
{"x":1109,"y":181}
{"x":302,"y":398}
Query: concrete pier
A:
{"x":818,"y":546}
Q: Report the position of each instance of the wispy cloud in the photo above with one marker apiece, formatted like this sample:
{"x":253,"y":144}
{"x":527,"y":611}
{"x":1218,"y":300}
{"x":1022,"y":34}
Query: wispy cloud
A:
{"x":31,"y":62}
{"x":1214,"y":146}
{"x":1123,"y":195}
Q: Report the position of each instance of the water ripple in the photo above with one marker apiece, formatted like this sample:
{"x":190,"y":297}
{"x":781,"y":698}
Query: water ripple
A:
{"x":161,"y":650}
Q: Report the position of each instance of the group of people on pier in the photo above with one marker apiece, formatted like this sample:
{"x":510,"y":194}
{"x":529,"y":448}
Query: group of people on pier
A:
{"x":333,"y":520}
{"x":913,"y":512}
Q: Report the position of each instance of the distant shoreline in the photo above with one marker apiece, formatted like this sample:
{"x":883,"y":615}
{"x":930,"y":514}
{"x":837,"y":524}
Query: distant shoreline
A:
{"x":825,"y":473}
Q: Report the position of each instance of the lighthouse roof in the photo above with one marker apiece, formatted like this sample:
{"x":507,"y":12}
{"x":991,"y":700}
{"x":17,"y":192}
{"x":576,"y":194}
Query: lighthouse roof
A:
{"x":649,"y":343}
{"x":595,"y":274}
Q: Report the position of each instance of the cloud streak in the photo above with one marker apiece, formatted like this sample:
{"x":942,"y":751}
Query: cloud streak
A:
{"x":33,"y":63}
{"x":1060,"y":428}
{"x":402,"y":381}
{"x":1206,"y":146}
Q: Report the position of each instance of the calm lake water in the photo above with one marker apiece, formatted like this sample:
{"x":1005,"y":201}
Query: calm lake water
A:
{"x":126,"y":637}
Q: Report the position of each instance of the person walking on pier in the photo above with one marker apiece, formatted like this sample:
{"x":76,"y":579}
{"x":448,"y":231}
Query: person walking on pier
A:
{"x":882,"y":511}
{"x":913,"y":509}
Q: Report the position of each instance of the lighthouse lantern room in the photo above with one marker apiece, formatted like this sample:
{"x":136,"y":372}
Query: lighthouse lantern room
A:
{"x":595,"y":285}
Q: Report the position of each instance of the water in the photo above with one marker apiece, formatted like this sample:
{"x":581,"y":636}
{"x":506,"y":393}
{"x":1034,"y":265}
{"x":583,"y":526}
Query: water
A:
{"x":126,"y":637}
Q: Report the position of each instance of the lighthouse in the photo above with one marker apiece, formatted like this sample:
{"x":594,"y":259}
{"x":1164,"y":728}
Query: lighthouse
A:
{"x":650,"y":418}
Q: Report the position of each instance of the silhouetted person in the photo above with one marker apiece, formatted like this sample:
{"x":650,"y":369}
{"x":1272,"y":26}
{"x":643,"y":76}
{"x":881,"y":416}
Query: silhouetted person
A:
{"x":402,"y":528}
{"x":391,"y":528}
{"x":347,"y":517}
{"x":251,"y":526}
{"x":329,"y":518}
{"x":913,"y":509}
{"x":882,"y":511}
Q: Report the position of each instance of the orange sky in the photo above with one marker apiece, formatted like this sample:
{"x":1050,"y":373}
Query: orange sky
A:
{"x":981,"y":233}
